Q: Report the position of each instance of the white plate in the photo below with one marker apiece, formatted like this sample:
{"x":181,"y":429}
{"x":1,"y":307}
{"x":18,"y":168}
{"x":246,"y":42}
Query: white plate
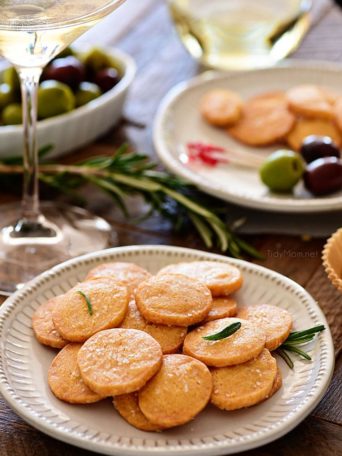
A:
{"x":81,"y":126}
{"x":178,"y":122}
{"x":24,"y":364}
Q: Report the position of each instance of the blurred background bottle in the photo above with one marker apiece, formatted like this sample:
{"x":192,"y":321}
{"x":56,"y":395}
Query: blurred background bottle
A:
{"x":240,"y":34}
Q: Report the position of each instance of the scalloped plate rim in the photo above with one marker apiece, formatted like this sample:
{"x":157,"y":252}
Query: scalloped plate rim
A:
{"x":217,"y":448}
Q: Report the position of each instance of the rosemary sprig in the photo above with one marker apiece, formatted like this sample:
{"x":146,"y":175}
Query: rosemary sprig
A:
{"x":306,"y":334}
{"x":295,"y":339}
{"x":226,"y":332}
{"x":128,"y":173}
{"x":286,"y":358}
{"x":87,"y":300}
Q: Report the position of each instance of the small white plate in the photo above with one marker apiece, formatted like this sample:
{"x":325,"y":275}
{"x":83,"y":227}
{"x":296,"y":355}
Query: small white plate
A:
{"x":81,"y":126}
{"x":24,"y":364}
{"x":178,"y":122}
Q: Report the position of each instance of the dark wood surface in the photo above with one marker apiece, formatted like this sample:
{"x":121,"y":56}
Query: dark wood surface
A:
{"x":147,"y":34}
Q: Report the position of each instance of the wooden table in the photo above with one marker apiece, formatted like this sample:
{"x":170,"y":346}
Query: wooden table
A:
{"x":145,"y":32}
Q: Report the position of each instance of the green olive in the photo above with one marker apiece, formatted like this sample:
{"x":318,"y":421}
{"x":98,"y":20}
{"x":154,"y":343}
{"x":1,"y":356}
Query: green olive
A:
{"x":87,"y":92}
{"x":6,"y":95}
{"x":54,"y":98}
{"x":12,"y":114}
{"x":282,"y":170}
{"x":96,"y":59}
{"x":10,"y":77}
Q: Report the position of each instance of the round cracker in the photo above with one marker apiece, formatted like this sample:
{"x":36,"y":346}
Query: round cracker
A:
{"x":119,"y":361}
{"x":173,"y":299}
{"x":310,"y":101}
{"x":308,"y":127}
{"x":170,"y":338}
{"x":265,"y":120}
{"x":128,"y":407}
{"x":221,"y":107}
{"x":274,"y":321}
{"x":277,"y":384}
{"x":240,"y":347}
{"x":43,"y":326}
{"x":222,"y":308}
{"x":271,"y":98}
{"x":222,"y":279}
{"x":72,"y":317}
{"x":244,"y":385}
{"x":129,"y":275}
{"x":179,"y":391}
{"x":65,"y":379}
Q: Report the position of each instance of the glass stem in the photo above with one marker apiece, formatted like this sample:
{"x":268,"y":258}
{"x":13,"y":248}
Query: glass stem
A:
{"x":29,"y":78}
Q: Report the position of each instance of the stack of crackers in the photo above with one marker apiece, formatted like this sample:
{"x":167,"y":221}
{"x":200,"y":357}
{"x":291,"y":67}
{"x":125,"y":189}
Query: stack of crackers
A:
{"x":142,"y":340}
{"x":276,"y":117}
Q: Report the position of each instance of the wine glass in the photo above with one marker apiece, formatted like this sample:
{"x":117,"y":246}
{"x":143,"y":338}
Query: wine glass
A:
{"x":240,"y":34}
{"x":34,"y":238}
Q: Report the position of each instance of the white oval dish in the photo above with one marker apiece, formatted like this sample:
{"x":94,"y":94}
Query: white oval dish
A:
{"x":81,"y":126}
{"x":24,"y":364}
{"x":178,"y":122}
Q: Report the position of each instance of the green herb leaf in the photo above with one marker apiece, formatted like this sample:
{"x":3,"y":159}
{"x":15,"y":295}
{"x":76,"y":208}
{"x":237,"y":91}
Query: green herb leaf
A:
{"x":285,"y":357}
{"x":295,"y":339}
{"x":226,"y":332}
{"x":202,"y":229}
{"x":87,"y":300}
{"x":127,"y":173}
{"x":295,"y":335}
{"x":299,"y":352}
{"x":247,"y":248}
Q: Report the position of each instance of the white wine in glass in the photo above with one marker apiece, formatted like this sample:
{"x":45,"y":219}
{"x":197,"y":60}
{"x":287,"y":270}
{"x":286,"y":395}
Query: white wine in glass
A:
{"x":240,"y":34}
{"x":32,"y":32}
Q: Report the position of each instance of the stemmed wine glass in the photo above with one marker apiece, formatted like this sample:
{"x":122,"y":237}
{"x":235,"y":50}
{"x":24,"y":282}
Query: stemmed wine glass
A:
{"x":32,"y":32}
